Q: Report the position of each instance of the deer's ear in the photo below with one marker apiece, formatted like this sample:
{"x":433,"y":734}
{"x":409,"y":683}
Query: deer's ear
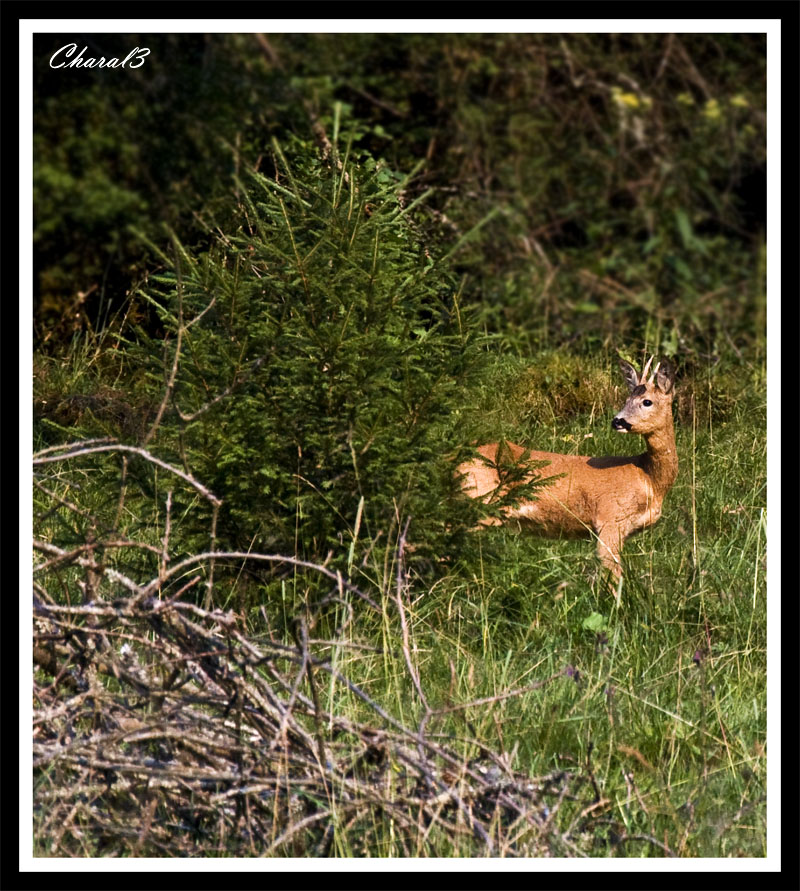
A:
{"x":665,"y":376}
{"x":629,"y":373}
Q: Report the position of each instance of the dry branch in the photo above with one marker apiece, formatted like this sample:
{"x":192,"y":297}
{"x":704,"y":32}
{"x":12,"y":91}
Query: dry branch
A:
{"x":163,"y":728}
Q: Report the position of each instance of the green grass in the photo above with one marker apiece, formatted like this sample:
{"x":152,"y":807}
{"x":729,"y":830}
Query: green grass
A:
{"x":661,"y":699}
{"x":664,"y":695}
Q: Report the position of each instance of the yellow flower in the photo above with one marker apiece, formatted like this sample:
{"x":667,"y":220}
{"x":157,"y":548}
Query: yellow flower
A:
{"x":739,"y":101}
{"x":712,"y":110}
{"x":685,"y":99}
{"x":631,"y":100}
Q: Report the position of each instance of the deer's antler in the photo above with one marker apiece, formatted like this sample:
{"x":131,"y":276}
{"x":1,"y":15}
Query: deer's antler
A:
{"x":643,"y":375}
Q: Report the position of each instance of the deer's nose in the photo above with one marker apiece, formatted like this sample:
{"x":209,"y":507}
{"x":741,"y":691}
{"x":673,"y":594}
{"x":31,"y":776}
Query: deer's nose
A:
{"x":620,"y":424}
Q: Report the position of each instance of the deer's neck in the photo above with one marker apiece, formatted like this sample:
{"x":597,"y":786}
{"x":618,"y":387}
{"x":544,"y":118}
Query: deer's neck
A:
{"x":661,"y":459}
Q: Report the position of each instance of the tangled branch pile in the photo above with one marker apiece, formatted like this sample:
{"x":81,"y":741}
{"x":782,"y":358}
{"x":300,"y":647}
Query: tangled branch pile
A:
{"x":161,"y":728}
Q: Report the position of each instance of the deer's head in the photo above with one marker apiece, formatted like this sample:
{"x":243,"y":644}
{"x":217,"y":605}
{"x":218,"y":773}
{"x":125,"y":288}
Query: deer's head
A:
{"x":649,"y":405}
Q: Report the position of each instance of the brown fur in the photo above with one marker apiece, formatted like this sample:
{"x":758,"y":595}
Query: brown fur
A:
{"x":608,"y":497}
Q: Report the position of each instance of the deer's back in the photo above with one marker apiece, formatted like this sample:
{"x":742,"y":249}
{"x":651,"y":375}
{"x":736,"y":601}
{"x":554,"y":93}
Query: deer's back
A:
{"x":588,"y":493}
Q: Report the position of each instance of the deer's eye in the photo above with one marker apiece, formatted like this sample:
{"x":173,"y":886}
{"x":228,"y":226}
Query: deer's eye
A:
{"x":646,"y":402}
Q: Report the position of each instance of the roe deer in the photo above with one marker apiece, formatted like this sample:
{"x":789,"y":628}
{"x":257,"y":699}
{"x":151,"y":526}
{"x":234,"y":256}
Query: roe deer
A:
{"x":612,"y":497}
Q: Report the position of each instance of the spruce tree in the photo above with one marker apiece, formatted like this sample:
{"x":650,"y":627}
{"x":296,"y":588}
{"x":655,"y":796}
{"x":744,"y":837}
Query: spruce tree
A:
{"x":323,"y":354}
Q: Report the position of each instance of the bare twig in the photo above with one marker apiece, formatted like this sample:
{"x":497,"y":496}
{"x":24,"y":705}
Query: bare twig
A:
{"x":80,"y":451}
{"x":402,"y":612}
{"x":176,"y":359}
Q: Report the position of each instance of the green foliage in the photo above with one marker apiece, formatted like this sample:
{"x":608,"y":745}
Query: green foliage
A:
{"x":338,"y":357}
{"x":327,"y":335}
{"x":120,"y":151}
{"x":629,"y":169}
{"x":617,"y":181}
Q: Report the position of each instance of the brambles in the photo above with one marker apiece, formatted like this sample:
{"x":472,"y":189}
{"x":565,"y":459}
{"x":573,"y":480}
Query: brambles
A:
{"x":217,"y":738}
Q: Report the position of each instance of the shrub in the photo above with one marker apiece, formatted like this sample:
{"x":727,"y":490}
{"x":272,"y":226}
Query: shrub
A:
{"x":314,"y":356}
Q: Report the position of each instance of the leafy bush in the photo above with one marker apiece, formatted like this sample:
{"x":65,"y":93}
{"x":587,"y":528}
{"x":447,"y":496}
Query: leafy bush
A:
{"x":319,"y":361}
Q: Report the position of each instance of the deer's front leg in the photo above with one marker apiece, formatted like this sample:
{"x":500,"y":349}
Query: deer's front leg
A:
{"x":609,"y":545}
